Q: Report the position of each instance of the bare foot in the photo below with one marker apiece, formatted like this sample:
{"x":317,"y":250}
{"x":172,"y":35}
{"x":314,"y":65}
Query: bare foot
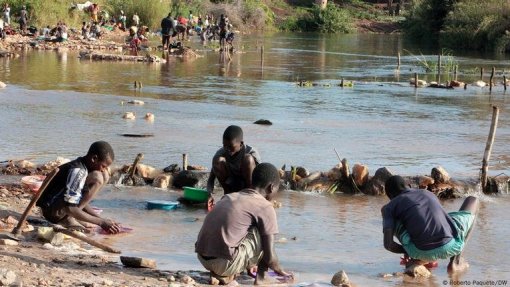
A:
{"x":457,"y":264}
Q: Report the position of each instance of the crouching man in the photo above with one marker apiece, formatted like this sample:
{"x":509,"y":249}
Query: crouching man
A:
{"x":66,"y":199}
{"x":238,"y":234}
{"x":426,"y":232}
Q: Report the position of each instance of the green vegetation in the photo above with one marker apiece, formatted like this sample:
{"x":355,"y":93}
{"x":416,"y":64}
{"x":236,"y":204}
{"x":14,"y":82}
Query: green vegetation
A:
{"x":468,"y":24}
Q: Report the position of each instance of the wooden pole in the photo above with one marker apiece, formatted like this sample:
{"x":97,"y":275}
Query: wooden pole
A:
{"x":131,"y":173}
{"x":84,"y":238}
{"x":398,"y":61}
{"x":488,"y":147}
{"x":438,"y":69}
{"x":481,"y":73}
{"x":184,"y":161}
{"x":416,"y":80}
{"x":504,"y":82}
{"x":17,"y":230}
{"x":491,"y":78}
{"x":455,"y":72}
{"x":262,"y":56}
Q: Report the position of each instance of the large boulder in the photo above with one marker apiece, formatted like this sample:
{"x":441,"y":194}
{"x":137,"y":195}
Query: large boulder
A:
{"x":147,"y":172}
{"x":191,"y":178}
{"x":440,"y":175}
{"x":360,"y":175}
{"x":425,"y":181}
{"x":375,"y":185}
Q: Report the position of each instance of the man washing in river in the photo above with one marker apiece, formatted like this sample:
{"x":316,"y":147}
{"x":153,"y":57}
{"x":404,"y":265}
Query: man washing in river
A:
{"x":234,"y":163}
{"x":424,"y":229}
{"x":66,"y":199}
{"x":238,"y":234}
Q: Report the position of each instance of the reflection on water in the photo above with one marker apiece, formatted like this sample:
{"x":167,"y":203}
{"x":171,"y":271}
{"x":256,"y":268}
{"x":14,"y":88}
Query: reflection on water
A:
{"x":57,"y":104}
{"x":331,"y":233}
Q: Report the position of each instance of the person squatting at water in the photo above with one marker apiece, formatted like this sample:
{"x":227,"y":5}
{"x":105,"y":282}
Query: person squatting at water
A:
{"x":66,"y":199}
{"x":426,"y":232}
{"x":233,"y":164}
{"x":238,"y":233}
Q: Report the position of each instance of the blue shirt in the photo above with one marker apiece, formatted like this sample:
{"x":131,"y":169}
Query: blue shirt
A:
{"x":427,"y":223}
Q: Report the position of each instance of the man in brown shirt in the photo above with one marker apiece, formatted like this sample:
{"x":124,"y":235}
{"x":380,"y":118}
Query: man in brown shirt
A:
{"x":238,"y":234}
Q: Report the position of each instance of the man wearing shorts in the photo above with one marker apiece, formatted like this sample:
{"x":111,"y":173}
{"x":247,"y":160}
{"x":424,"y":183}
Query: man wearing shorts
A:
{"x":238,"y":233}
{"x":425,"y":230}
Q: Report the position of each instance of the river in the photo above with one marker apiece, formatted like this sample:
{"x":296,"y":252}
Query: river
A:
{"x":56,"y":105}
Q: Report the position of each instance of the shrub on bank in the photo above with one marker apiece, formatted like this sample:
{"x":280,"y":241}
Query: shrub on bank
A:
{"x":333,"y":19}
{"x":476,"y":25}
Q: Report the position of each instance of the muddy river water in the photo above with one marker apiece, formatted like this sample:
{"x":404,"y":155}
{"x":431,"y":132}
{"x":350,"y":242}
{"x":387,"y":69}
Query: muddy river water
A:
{"x":56,"y":105}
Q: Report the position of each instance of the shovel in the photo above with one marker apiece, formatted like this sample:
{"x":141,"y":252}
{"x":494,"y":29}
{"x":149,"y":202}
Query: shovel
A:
{"x":16,"y":232}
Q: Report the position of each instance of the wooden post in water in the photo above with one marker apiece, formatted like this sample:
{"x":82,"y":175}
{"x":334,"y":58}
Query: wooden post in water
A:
{"x":455,"y":72}
{"x":481,"y":73}
{"x":488,"y":148}
{"x":184,"y":161}
{"x":504,"y":82}
{"x":438,"y":69}
{"x":491,"y":78}
{"x":398,"y":61}
{"x":262,"y":56}
{"x":416,"y":80}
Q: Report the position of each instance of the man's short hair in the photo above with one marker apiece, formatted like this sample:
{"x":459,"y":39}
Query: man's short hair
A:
{"x":394,"y":186}
{"x":264,"y":174}
{"x":232,"y":133}
{"x":102,"y":149}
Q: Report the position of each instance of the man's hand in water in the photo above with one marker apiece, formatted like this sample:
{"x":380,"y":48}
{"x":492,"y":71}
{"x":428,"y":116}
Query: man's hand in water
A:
{"x":110,"y":226}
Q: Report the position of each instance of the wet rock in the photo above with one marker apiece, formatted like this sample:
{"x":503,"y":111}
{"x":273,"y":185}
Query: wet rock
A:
{"x":360,"y":174}
{"x":340,"y":279}
{"x":163,"y":181}
{"x":51,"y":165}
{"x":302,"y":172}
{"x":417,"y":270}
{"x":24,"y":164}
{"x":8,"y":242}
{"x":196,"y":167}
{"x":172,"y":168}
{"x":48,"y":235}
{"x":187,"y":280}
{"x":440,"y":175}
{"x":263,"y":122}
{"x":190,"y":178}
{"x":147,"y":171}
{"x":2,"y":85}
{"x":7,"y":277}
{"x":10,"y":220}
{"x":425,"y":181}
{"x":129,"y":116}
{"x":375,"y":185}
{"x":137,"y":262}
{"x":335,"y":173}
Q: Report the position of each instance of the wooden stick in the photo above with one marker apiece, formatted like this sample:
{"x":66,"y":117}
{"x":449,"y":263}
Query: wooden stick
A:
{"x":398,"y":61}
{"x":416,"y":80}
{"x":455,"y":72}
{"x":488,"y":147}
{"x":17,"y":230}
{"x":84,"y":238}
{"x":138,"y":158}
{"x":184,"y":161}
{"x":481,"y":73}
{"x":504,"y":82}
{"x":491,"y":78}
{"x":338,"y":156}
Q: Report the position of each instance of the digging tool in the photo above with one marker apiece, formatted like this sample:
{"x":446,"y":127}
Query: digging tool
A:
{"x":16,"y":232}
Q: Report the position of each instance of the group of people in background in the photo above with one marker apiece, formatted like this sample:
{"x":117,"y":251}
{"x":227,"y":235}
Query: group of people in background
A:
{"x":179,"y":28}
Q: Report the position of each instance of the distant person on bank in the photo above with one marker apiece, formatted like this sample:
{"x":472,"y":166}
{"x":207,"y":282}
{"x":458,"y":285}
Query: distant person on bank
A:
{"x":238,"y":233}
{"x":66,"y":199}
{"x":426,"y":232}
{"x":233,"y":164}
